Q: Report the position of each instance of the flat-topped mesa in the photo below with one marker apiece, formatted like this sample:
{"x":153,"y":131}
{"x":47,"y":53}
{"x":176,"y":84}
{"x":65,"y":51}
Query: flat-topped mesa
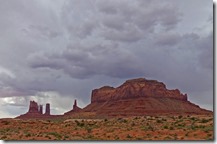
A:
{"x":136,"y":88}
{"x":102,"y":94}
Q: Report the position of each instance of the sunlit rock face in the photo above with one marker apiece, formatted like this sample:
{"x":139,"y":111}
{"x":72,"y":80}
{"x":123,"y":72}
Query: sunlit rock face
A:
{"x":134,"y":89}
{"x":139,"y":97}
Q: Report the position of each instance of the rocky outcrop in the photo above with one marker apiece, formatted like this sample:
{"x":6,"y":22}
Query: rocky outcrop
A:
{"x":41,"y":109}
{"x":138,"y":97}
{"x":36,"y":111}
{"x":136,"y":88}
{"x":33,"y":107}
{"x":75,"y":107}
{"x":74,"y":110}
{"x":47,"y":111}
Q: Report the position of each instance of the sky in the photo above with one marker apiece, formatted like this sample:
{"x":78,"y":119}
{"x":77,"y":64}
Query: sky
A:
{"x":56,"y":51}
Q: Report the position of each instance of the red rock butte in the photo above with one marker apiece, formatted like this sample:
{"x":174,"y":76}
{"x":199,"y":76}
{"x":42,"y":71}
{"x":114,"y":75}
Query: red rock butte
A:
{"x":136,"y":97}
{"x":36,"y":111}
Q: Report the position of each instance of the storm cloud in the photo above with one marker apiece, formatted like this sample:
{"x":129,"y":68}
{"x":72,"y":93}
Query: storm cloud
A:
{"x":58,"y":51}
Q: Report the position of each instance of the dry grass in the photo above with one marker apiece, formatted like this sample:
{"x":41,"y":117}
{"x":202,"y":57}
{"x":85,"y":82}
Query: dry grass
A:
{"x":133,"y":128}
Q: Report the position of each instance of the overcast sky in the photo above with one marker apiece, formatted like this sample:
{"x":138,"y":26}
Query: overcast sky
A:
{"x":59,"y":50}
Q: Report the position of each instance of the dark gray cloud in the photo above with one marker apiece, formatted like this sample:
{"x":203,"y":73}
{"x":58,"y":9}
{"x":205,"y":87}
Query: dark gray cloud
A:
{"x":207,"y":52}
{"x":43,"y":32}
{"x":83,"y":62}
{"x":56,"y":51}
{"x":130,"y":21}
{"x":167,"y":39}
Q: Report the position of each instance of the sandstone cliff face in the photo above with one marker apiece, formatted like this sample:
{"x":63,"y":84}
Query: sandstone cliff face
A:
{"x":135,"y":97}
{"x":136,"y":88}
{"x":47,"y":111}
{"x":139,"y":97}
{"x":33,"y":107}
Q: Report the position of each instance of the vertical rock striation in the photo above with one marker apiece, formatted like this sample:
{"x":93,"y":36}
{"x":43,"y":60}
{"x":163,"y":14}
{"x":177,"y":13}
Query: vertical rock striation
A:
{"x":140,"y":97}
{"x":136,"y":88}
{"x":36,"y":111}
{"x":47,"y":110}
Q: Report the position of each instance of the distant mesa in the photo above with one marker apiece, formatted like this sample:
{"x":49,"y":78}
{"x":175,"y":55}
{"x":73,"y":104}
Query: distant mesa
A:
{"x":136,"y":88}
{"x":136,"y":97}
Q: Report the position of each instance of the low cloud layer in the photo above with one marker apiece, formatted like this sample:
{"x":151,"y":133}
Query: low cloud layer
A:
{"x":64,"y":49}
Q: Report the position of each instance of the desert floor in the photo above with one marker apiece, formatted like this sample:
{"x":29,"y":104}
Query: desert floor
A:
{"x":189,"y":127}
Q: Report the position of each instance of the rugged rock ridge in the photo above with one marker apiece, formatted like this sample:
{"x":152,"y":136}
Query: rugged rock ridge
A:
{"x":138,"y":97}
{"x":136,"y":88}
{"x":34,"y":108}
{"x":36,"y":111}
{"x":47,"y":111}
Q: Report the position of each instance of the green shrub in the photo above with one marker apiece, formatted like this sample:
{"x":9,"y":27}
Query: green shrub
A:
{"x":133,"y":124}
{"x":201,"y":126}
{"x":57,"y":135}
{"x":128,"y":136}
{"x":79,"y":124}
{"x":3,"y":137}
{"x":171,"y":128}
{"x":164,"y":119}
{"x":48,"y":137}
{"x":122,"y":120}
{"x":136,"y":118}
{"x":89,"y":130}
{"x":167,"y":138}
{"x":119,"y":119}
{"x":165,"y":127}
{"x":125,"y":121}
{"x":207,"y":129}
{"x":28,"y":135}
{"x":195,"y":134}
{"x":149,"y":127}
{"x":193,"y":118}
{"x":204,"y":121}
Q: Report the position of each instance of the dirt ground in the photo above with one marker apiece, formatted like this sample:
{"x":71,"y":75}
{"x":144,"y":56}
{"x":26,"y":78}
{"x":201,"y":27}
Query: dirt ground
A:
{"x":196,"y":127}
